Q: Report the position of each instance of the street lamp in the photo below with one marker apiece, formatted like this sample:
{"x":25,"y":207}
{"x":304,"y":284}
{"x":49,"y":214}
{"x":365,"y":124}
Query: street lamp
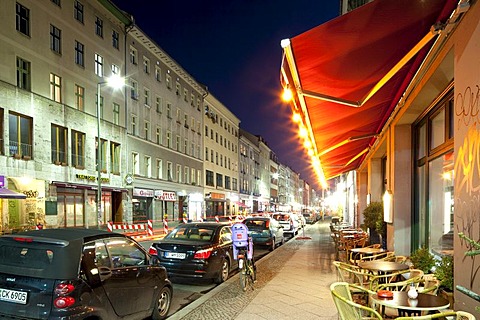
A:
{"x":115,"y":82}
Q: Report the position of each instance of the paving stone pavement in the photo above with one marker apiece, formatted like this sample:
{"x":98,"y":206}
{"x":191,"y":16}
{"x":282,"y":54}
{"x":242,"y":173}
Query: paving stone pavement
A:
{"x":293,"y":282}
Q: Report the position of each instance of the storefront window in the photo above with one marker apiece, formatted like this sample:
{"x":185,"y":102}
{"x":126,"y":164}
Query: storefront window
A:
{"x":433,"y":217}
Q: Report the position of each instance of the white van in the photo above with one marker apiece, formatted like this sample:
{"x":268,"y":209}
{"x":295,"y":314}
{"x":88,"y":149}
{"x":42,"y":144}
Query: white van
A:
{"x":289,"y":222}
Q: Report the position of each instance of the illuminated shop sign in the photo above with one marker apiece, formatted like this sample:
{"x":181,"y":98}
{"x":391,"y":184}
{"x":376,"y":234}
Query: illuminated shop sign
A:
{"x":165,"y":195}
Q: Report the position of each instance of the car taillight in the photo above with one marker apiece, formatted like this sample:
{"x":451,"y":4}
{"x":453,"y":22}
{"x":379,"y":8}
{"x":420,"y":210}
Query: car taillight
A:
{"x":64,"y":289}
{"x":21,"y":239}
{"x":153,"y":251}
{"x":63,"y":302}
{"x":202,"y":254}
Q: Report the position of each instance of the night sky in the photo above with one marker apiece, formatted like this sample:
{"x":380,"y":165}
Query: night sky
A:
{"x":233,"y":47}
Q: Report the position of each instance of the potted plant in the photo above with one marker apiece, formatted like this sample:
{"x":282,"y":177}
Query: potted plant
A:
{"x":444,"y":273}
{"x":422,"y":259}
{"x":373,"y":220}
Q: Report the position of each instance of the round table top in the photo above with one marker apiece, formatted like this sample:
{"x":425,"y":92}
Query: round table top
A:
{"x":383,"y":266}
{"x":367,"y":250}
{"x":423,"y":302}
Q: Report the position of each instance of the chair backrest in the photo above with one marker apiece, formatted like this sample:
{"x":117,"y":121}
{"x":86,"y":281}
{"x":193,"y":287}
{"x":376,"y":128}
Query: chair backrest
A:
{"x":346,"y":307}
{"x":430,"y":286}
{"x":353,"y":274}
{"x":458,"y":315}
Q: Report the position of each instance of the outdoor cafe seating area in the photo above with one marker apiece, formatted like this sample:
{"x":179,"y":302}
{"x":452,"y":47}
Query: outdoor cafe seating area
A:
{"x":374,"y":283}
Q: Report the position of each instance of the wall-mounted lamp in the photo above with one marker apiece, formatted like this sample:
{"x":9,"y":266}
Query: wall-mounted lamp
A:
{"x":388,"y":206}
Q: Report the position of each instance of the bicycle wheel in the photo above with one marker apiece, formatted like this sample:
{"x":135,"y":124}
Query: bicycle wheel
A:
{"x":243,"y":274}
{"x":252,"y":274}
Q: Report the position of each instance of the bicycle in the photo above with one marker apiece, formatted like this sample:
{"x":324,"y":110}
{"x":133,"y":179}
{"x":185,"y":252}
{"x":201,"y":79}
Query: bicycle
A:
{"x":243,"y":252}
{"x":248,"y":274}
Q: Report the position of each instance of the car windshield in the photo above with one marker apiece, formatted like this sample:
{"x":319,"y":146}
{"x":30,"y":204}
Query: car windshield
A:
{"x":256,"y":224}
{"x":195,"y":232}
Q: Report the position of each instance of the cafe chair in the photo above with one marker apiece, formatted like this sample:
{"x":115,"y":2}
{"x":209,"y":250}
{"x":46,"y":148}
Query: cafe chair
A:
{"x":450,"y":315}
{"x":347,"y":308}
{"x":387,"y":256}
{"x":353,"y":274}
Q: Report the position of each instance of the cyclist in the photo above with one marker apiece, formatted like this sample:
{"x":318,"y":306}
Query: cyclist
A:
{"x":242,"y":241}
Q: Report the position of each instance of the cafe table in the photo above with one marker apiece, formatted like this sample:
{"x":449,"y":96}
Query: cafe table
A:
{"x":382,"y":266}
{"x":357,"y":253}
{"x":399,"y":300}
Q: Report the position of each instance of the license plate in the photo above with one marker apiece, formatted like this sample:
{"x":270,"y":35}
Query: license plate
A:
{"x":175,"y":255}
{"x":13,"y":296}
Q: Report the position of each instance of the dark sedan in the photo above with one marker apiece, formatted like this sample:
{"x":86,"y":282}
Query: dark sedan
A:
{"x":197,"y":250}
{"x":80,"y":274}
{"x":265,"y":231}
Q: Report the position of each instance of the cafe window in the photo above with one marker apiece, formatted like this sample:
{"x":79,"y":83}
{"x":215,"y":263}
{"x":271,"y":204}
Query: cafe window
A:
{"x":59,"y":138}
{"x":434,"y":183}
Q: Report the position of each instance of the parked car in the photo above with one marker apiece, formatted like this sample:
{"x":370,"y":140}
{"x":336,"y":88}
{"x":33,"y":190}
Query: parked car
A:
{"x":288,"y":221}
{"x":79,"y":274}
{"x":301,"y":220}
{"x":265,"y":231}
{"x":197,"y":250}
{"x":309,"y":217}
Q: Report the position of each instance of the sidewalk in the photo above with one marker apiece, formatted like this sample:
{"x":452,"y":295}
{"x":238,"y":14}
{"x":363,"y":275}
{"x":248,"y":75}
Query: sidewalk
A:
{"x":293,"y":282}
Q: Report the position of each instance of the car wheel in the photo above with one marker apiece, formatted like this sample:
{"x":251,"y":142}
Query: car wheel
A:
{"x":162,"y":304}
{"x":224,"y":272}
{"x":272,"y":246}
{"x":282,"y":242}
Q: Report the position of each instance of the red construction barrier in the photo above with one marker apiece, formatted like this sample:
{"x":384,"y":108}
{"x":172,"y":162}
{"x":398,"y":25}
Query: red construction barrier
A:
{"x":148,"y":227}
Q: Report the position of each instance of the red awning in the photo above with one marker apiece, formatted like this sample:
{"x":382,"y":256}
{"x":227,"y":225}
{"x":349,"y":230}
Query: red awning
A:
{"x":349,"y":73}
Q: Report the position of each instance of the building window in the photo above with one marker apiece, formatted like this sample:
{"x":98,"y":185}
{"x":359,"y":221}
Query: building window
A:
{"x":158,"y":74}
{"x":209,"y":178}
{"x":192,"y":176}
{"x":146,"y":65}
{"x":169,"y":171}
{"x":169,"y":110}
{"x":115,"y":39}
{"x":177,"y":143}
{"x":178,"y":173}
{"x":115,"y":158}
{"x":169,"y":139}
{"x":79,"y":54}
{"x":59,"y":144}
{"x":185,"y":146}
{"x":55,"y":39}
{"x":234,"y":184}
{"x":20,"y":133}
{"x":133,"y":55}
{"x":55,"y":88}
{"x":99,"y":27}
{"x":211,"y":156}
{"x":159,"y":168}
{"x":135,"y":164}
{"x":185,"y":95}
{"x":79,"y":97}
{"x":103,"y":155}
{"x":101,"y":105}
{"x":159,"y":104}
{"x":146,"y":95}
{"x":168,"y":80}
{"x":148,"y":166}
{"x":22,"y":19}
{"x":134,"y":89}
{"x":98,"y":65}
{"x":56,"y":2}
{"x":116,"y":113}
{"x":134,"y":125}
{"x":227,"y":183}
{"x":158,"y":139}
{"x":219,"y":180}
{"x":78,"y":11}
{"x":147,"y":130}
{"x":115,"y":70}
{"x":78,"y":149}
{"x":434,"y":179}
{"x":23,"y":74}
{"x":186,"y":173}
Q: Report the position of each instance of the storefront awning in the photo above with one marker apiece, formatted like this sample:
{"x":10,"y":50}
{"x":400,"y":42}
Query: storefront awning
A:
{"x":347,"y":75}
{"x":9,"y":194}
